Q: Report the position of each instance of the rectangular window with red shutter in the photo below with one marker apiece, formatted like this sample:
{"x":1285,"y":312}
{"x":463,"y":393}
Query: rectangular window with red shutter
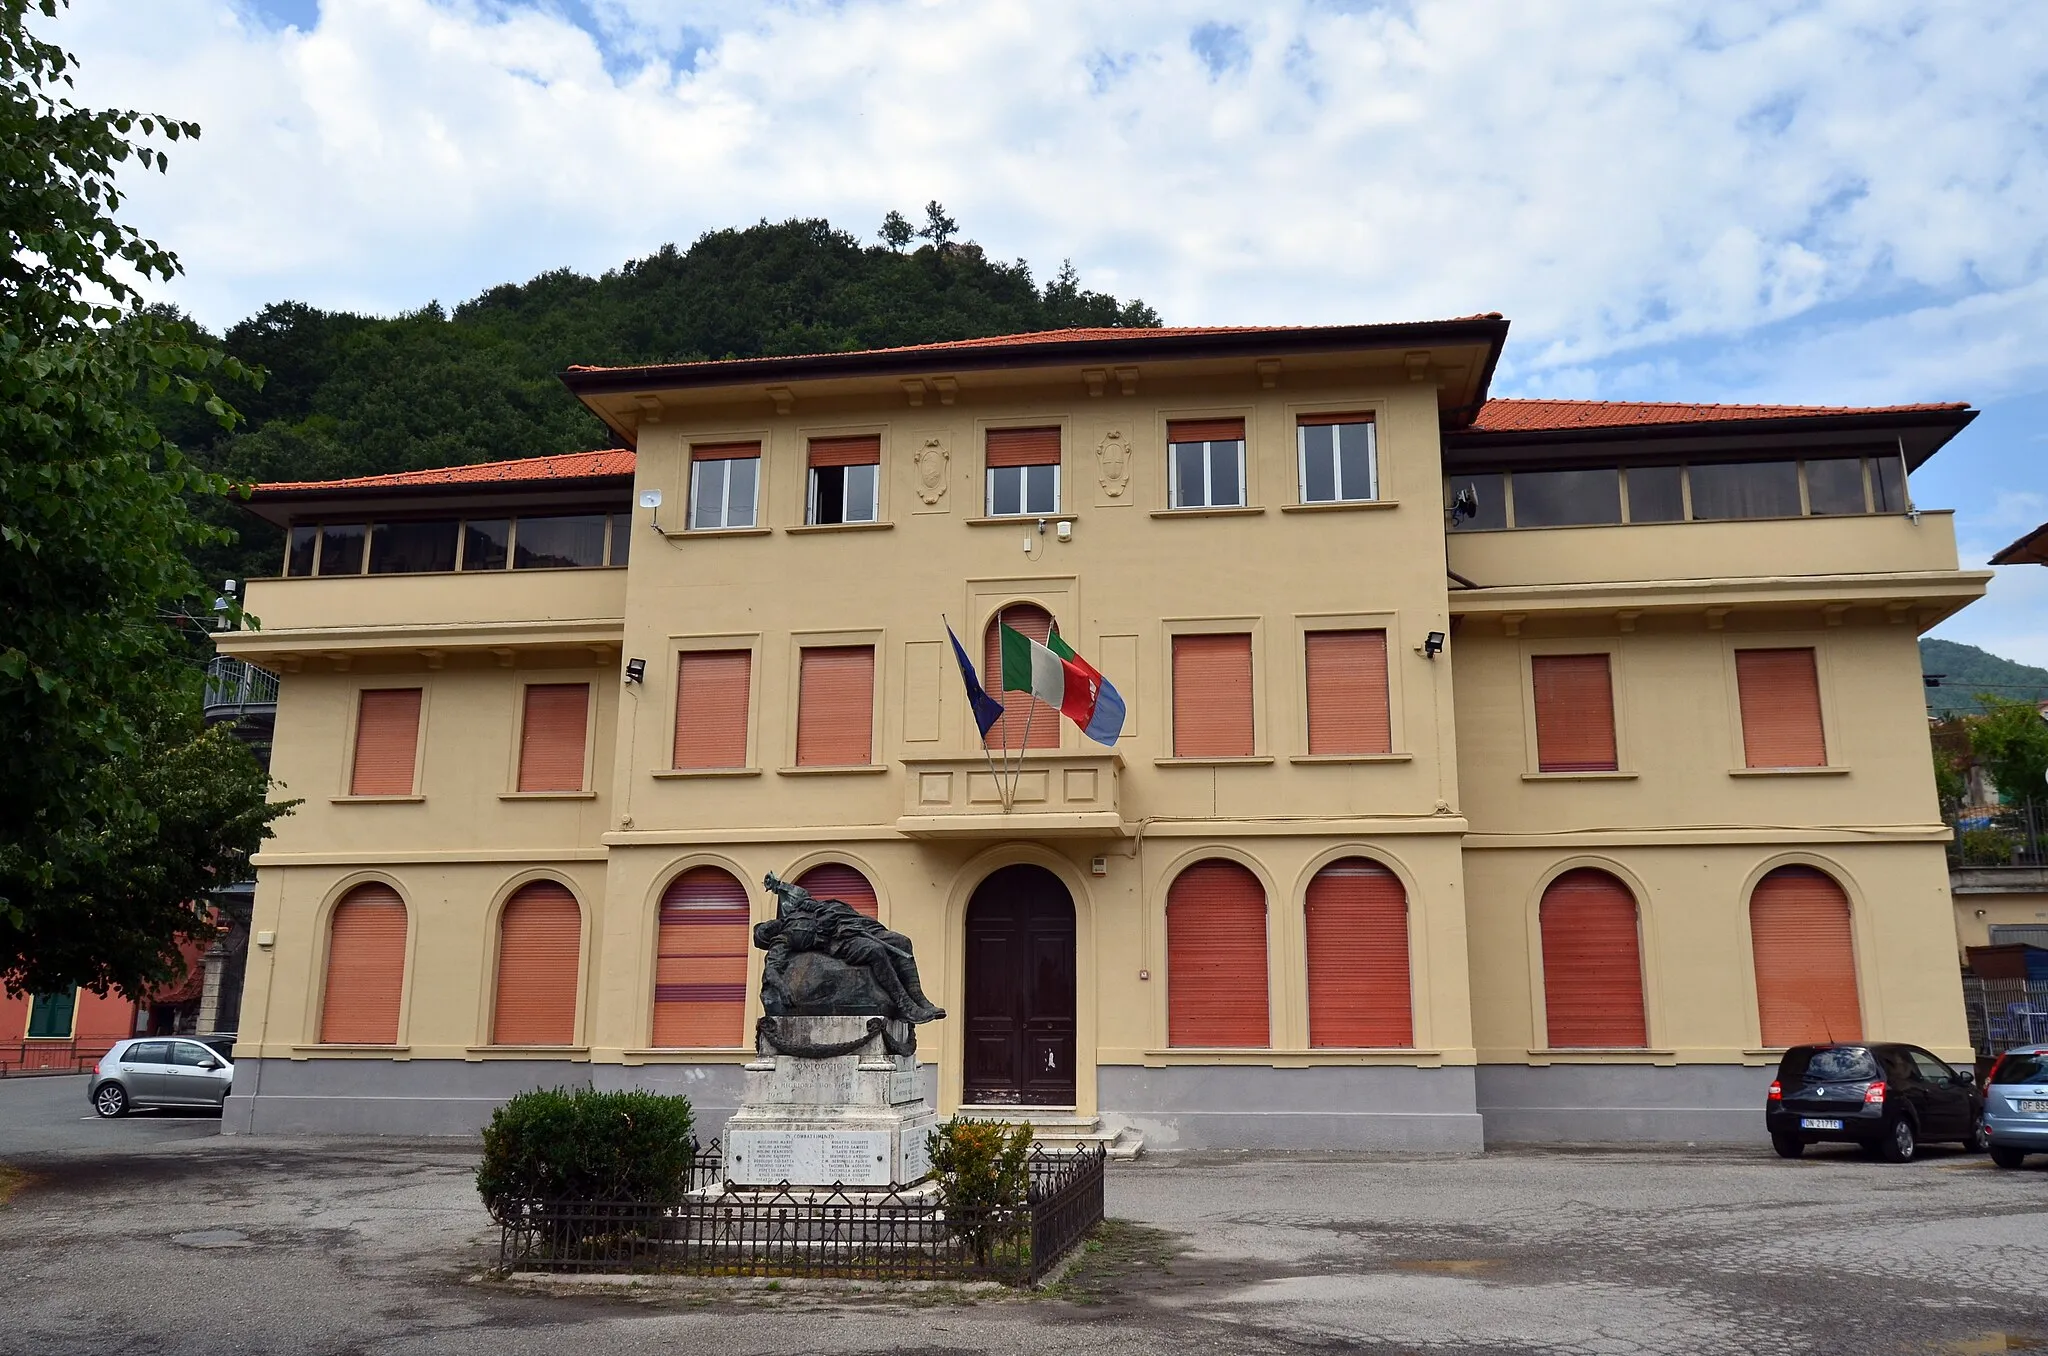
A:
{"x":552,"y":736}
{"x":1212,"y":696}
{"x":835,"y":718}
{"x":1574,"y":712}
{"x":713,"y":689}
{"x":725,"y":480}
{"x":845,"y":478}
{"x":1338,"y":458}
{"x":387,"y":742}
{"x":1347,"y":692}
{"x":1779,"y":691}
{"x":1205,"y":463}
{"x":1023,"y":472}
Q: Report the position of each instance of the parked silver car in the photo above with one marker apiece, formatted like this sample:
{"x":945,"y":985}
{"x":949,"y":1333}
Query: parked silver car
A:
{"x":2016,"y":1105}
{"x":159,"y":1071}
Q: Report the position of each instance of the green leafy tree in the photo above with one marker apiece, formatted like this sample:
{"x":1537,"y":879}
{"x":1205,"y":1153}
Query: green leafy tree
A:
{"x":2011,"y":741}
{"x":938,"y":227}
{"x":897,"y":231}
{"x":105,"y":775}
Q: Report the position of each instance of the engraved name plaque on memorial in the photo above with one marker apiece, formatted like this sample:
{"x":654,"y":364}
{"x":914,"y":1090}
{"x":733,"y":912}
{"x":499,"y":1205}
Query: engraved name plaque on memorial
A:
{"x":833,"y":1096}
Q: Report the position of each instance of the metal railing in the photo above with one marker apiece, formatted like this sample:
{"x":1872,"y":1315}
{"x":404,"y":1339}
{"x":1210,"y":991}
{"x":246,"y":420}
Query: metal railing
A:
{"x":843,"y":1232}
{"x":2003,"y":1013}
{"x":236,"y":684}
{"x":25,"y":1058}
{"x":1999,"y":835}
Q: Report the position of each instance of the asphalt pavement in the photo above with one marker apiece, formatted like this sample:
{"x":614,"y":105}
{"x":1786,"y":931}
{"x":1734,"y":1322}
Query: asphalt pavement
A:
{"x":155,"y":1235}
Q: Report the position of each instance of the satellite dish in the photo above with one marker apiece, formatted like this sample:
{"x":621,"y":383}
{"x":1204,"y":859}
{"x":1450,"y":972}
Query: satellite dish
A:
{"x":1464,"y":504}
{"x":650,"y":499}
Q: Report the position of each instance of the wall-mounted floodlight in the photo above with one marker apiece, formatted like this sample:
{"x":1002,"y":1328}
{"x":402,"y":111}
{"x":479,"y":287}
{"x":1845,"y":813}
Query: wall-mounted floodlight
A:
{"x":1432,"y":644}
{"x":636,"y":669}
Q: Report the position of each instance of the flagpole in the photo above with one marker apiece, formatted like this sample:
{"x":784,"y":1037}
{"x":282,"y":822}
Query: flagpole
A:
{"x":974,"y":716}
{"x":1015,"y":777}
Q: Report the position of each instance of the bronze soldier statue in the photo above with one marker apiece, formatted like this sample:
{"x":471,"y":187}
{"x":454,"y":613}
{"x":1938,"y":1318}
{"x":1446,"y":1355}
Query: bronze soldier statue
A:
{"x":803,"y":923}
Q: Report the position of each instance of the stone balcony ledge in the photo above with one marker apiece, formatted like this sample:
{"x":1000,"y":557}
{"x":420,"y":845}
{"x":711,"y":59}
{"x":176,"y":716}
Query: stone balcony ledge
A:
{"x":1073,"y":795}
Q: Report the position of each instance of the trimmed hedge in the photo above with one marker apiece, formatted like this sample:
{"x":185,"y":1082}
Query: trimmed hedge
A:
{"x":554,"y":1145}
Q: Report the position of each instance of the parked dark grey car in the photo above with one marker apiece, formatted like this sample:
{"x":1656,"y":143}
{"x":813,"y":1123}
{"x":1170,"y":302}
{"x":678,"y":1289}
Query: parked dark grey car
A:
{"x":159,"y":1071}
{"x":1887,"y":1097}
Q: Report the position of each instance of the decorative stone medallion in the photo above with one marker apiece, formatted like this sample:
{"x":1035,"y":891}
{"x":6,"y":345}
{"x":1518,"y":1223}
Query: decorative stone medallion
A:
{"x":930,"y":462}
{"x":1113,"y":457}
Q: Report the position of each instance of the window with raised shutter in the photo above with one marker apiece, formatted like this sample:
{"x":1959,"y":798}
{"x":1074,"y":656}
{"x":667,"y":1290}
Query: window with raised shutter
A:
{"x":365,"y":968}
{"x":845,"y":475}
{"x":1780,"y":697}
{"x":1019,"y":708}
{"x":712,"y":688}
{"x":835,"y":718}
{"x":387,"y":742}
{"x":836,"y":880}
{"x":1574,"y":713}
{"x":540,"y":942}
{"x":1347,"y":692}
{"x":1805,"y":954}
{"x":1205,"y":463}
{"x":551,"y":736}
{"x":1337,"y":456}
{"x":724,"y":485}
{"x":1357,"y":924}
{"x":1212,"y":696}
{"x":1216,"y":958}
{"x":700,"y":976}
{"x":1023,"y":470}
{"x":1592,"y":963}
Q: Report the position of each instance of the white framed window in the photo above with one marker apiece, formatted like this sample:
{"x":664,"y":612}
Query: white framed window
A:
{"x":1338,"y":462}
{"x":1207,"y":474}
{"x":723,"y":493}
{"x":1023,"y":491}
{"x":842,"y":494}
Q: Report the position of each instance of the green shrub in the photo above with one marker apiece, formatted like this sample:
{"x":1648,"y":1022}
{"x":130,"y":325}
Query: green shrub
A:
{"x":1986,"y":846}
{"x":982,"y":1172}
{"x":555,"y":1145}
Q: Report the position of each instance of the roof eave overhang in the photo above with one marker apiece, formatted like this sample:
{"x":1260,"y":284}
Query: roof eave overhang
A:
{"x":279,"y":504}
{"x":1921,"y":432}
{"x":2031,"y":549}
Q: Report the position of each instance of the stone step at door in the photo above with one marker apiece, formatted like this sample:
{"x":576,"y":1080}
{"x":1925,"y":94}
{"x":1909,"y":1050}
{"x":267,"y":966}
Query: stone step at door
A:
{"x":1059,"y":1130}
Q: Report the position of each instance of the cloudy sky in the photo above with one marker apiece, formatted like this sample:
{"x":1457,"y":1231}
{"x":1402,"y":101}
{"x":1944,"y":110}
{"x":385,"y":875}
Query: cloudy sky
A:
{"x":1821,"y":201}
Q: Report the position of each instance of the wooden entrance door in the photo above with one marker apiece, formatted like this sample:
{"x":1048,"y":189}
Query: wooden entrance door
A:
{"x":1020,"y":991}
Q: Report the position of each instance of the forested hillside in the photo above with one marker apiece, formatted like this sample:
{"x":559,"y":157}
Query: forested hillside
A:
{"x":1966,"y":671}
{"x":360,"y":395}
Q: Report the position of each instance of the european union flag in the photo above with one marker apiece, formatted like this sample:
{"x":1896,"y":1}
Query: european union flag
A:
{"x":987,"y":710}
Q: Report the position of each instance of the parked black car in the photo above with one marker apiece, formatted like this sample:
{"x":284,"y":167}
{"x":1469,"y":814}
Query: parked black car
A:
{"x":1888,"y":1098}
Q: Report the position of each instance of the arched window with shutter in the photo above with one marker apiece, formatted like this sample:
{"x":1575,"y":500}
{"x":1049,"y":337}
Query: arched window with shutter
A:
{"x":836,"y":880}
{"x":1592,"y":963}
{"x":1216,"y":957}
{"x":1805,"y":959}
{"x":700,"y":976}
{"x":365,"y":980}
{"x":540,"y":945}
{"x":1357,"y":925}
{"x":1019,"y":708}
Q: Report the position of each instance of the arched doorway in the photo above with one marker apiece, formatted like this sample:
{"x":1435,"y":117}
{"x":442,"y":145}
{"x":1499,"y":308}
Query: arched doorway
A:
{"x":1019,"y":1048}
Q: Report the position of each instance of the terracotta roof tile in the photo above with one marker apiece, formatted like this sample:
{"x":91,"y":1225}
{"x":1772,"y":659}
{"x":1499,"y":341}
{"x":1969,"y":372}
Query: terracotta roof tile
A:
{"x":563,"y":466}
{"x":1529,"y":416}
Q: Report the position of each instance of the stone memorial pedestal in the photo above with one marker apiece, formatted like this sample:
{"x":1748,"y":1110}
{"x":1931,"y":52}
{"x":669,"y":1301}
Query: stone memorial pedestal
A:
{"x":827,"y":1103}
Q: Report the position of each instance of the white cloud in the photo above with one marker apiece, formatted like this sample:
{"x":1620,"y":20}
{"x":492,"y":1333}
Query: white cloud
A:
{"x":1843,"y":199}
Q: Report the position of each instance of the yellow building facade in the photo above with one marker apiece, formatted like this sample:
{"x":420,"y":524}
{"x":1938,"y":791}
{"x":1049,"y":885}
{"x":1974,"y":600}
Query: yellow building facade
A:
{"x":1510,"y":770}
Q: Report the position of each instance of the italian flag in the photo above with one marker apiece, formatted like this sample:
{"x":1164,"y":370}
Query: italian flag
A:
{"x":1054,"y":674}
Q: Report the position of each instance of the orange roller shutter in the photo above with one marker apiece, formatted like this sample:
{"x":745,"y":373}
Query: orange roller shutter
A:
{"x":862,"y":451}
{"x":1358,"y":957}
{"x":1347,"y":692}
{"x":700,"y":975}
{"x":1780,"y":692}
{"x":711,"y":707}
{"x":1322,"y":420}
{"x":835,"y":880}
{"x":1592,"y":963}
{"x":387,"y":742}
{"x":365,"y":968}
{"x":1034,"y":623}
{"x":1205,"y":431}
{"x":1574,"y":713}
{"x":540,"y":941}
{"x":835,"y":718}
{"x":1805,"y":959}
{"x":1216,"y":958}
{"x":724,"y":451}
{"x":552,"y":735}
{"x":1023,"y":447}
{"x":1212,"y":696}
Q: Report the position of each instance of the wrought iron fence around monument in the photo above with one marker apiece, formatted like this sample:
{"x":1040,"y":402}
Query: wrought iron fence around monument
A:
{"x":2004,"y":1013}
{"x":854,"y":1233}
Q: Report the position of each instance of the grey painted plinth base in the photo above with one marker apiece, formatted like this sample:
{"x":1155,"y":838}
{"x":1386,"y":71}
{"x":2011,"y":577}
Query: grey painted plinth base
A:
{"x":818,"y":1120}
{"x":442,"y":1096}
{"x":1624,"y":1103}
{"x":1246,"y":1107}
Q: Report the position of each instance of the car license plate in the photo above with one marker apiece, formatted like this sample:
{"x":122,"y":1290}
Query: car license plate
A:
{"x":1817,"y":1123}
{"x":2030,"y":1104}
